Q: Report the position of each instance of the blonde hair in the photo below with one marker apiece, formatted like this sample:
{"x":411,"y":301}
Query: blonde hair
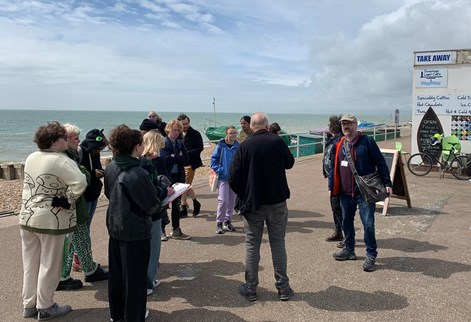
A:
{"x":170,"y":124}
{"x":72,"y":129}
{"x":153,"y":142}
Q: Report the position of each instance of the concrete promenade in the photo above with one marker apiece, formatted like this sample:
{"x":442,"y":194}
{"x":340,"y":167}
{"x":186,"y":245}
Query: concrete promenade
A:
{"x":423,"y":267}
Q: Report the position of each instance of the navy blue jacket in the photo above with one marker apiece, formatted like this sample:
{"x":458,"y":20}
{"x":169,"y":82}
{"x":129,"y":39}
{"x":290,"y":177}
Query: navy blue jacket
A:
{"x":367,"y":157}
{"x":179,"y":160}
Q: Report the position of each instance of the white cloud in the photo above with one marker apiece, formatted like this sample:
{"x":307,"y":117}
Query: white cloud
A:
{"x":300,"y":55}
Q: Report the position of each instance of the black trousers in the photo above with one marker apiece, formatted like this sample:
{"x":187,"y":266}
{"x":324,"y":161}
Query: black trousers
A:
{"x":337,"y":213}
{"x":127,"y":283}
{"x":176,"y":205}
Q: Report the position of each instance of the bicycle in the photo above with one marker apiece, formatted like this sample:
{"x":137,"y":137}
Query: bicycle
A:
{"x":420,"y":164}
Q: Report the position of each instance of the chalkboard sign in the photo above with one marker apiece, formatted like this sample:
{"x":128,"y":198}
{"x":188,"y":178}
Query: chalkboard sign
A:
{"x":389,"y":156}
{"x":398,"y":177}
{"x":428,"y":127}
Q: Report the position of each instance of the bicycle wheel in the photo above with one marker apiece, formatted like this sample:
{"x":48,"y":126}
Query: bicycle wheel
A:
{"x":419,"y":164}
{"x":461,"y":167}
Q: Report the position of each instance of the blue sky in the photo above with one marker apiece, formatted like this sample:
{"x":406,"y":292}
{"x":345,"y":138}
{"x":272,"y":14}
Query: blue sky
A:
{"x":297,"y":56}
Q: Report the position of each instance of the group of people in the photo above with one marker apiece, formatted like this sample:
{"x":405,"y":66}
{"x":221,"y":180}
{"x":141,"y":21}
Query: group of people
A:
{"x":64,"y":180}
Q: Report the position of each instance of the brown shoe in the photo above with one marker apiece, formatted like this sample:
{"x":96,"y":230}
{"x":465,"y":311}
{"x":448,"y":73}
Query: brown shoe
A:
{"x":335,"y":237}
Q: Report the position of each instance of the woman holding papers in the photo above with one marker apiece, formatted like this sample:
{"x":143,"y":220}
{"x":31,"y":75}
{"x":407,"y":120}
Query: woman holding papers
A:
{"x":155,"y":165}
{"x":175,"y":156}
{"x":132,"y":201}
{"x":221,"y":160}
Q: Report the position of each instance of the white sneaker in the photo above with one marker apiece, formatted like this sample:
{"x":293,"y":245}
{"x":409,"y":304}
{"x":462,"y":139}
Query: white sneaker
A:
{"x":156,"y":283}
{"x":149,"y":291}
{"x":53,"y":312}
{"x":147,"y":313}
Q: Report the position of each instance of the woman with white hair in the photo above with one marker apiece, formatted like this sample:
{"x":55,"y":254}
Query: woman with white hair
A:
{"x":81,"y":245}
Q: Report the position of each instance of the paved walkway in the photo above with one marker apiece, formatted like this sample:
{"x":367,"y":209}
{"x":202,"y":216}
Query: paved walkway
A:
{"x":423,"y":271}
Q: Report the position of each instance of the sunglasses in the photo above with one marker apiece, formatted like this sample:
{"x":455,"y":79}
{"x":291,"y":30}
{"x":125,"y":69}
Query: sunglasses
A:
{"x":151,"y":116}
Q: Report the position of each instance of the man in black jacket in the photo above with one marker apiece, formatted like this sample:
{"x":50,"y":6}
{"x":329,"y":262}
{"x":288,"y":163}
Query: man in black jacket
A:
{"x":194,"y":146}
{"x":258,"y":177}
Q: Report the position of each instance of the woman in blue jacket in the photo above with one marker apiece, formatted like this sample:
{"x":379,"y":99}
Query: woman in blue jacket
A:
{"x":221,"y":160}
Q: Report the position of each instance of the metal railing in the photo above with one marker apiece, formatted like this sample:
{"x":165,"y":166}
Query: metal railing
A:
{"x":316,"y":143}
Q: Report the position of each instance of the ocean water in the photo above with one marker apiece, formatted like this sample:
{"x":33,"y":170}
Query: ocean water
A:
{"x":17,"y":127}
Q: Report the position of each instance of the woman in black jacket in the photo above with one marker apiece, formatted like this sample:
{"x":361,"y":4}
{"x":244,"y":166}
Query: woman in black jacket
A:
{"x":132,"y":201}
{"x":175,"y":155}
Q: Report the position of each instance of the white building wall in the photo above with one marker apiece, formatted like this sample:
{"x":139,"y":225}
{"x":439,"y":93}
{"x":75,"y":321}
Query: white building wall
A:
{"x":449,"y":93}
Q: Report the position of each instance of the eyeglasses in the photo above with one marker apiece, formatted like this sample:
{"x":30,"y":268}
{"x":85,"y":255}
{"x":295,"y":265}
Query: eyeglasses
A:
{"x":151,"y":116}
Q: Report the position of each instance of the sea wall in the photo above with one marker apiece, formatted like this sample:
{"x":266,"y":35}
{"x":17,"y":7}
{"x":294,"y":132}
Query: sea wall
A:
{"x":15,"y":170}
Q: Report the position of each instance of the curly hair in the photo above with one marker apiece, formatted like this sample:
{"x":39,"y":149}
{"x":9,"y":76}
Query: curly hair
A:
{"x":49,"y":133}
{"x":334,"y":124}
{"x":123,"y":139}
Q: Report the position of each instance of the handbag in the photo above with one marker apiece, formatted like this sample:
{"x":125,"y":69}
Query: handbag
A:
{"x":371,"y":186}
{"x":214,"y":177}
{"x":213,"y":181}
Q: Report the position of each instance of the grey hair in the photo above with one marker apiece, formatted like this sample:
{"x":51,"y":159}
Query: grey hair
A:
{"x":259,"y":121}
{"x":72,"y":129}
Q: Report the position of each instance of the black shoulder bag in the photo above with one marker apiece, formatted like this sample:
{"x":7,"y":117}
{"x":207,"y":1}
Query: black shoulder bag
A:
{"x":371,"y":186}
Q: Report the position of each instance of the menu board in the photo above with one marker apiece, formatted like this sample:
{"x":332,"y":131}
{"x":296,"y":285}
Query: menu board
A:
{"x":429,"y":126}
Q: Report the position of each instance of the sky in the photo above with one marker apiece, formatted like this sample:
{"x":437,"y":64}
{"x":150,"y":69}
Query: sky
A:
{"x":291,"y":56}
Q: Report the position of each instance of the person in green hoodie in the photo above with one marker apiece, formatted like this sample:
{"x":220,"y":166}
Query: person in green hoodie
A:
{"x":132,"y":201}
{"x":80,"y":243}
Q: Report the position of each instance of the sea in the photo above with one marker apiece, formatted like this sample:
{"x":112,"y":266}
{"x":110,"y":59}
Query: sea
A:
{"x":17,"y":127}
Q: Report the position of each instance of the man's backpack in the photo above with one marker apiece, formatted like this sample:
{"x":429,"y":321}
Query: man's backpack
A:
{"x":327,"y":161}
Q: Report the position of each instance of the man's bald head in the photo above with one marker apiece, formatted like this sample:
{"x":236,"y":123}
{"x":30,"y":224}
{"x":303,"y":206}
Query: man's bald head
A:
{"x":259,"y":121}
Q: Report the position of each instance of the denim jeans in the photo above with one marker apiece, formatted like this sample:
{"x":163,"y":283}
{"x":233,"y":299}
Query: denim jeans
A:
{"x":91,"y":208}
{"x":155,"y":244}
{"x":367,"y":214}
{"x":226,"y":202}
{"x":276,"y":217}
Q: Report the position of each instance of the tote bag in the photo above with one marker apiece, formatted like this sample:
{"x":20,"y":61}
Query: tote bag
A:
{"x":213,"y":181}
{"x":214,"y":177}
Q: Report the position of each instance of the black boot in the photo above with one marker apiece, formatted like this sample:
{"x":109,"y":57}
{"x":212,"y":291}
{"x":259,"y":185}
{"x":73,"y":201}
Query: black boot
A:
{"x":183,"y":211}
{"x":337,"y":236}
{"x":196,"y":208}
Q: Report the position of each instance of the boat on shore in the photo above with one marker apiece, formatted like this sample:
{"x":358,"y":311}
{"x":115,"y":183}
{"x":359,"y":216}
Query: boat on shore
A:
{"x":362,"y":125}
{"x":215,"y":133}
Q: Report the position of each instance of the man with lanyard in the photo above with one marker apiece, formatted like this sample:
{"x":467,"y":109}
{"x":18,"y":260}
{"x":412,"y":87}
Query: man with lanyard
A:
{"x":194,"y":146}
{"x":367,"y":158}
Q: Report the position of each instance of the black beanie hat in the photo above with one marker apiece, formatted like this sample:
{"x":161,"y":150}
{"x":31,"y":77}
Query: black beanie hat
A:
{"x":148,"y":125}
